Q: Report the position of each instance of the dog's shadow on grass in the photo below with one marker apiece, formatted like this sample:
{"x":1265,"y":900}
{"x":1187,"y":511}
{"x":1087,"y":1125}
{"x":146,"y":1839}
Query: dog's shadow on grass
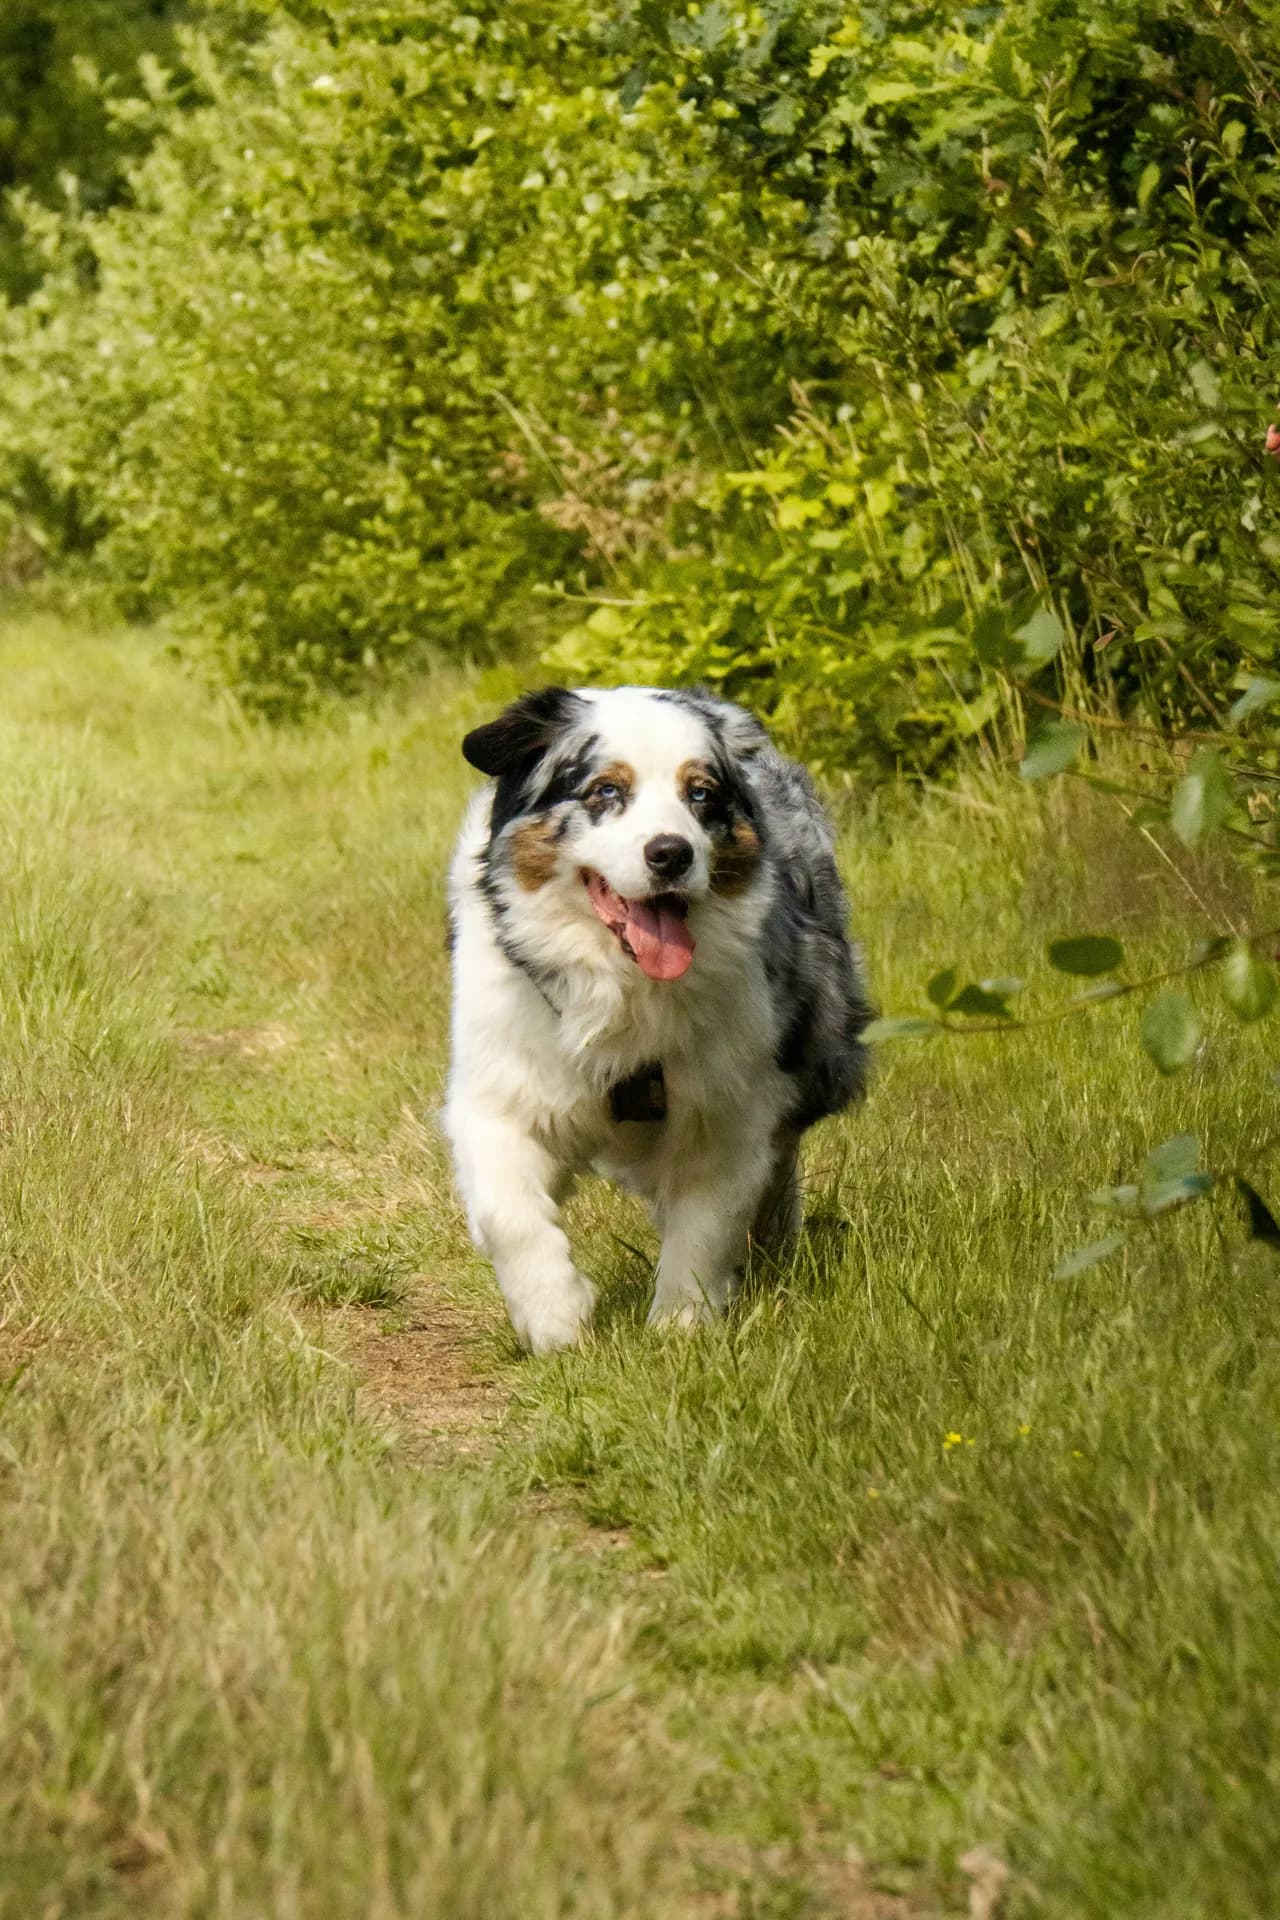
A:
{"x":810,"y":1265}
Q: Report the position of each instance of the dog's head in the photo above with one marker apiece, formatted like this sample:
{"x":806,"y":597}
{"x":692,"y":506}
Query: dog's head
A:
{"x":634,"y":806}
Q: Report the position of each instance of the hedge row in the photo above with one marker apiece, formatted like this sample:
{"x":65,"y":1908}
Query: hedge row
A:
{"x":851,"y":356}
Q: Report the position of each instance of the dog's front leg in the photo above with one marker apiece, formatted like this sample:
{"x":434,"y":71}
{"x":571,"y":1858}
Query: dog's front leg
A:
{"x":511,"y":1187}
{"x":705,"y":1216}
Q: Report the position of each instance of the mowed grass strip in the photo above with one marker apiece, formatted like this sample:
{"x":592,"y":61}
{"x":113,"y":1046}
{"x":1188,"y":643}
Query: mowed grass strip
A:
{"x":929,"y":1550}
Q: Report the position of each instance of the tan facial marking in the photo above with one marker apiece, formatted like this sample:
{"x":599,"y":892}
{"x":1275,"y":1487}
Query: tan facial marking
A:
{"x":533,"y":853}
{"x":621,"y":775}
{"x":734,"y":863}
{"x":695,"y":773}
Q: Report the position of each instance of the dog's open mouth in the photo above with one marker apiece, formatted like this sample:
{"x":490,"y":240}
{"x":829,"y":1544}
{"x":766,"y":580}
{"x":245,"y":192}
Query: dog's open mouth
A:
{"x":653,"y":931}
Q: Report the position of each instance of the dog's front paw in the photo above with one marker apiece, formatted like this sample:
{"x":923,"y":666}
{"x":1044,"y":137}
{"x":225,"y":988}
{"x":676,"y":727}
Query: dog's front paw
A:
{"x":556,"y":1314}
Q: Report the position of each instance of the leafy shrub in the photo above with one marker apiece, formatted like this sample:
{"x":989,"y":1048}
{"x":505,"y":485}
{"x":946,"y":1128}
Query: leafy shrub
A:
{"x":849,"y":357}
{"x":58,"y":60}
{"x":287,"y":332}
{"x":346,"y":382}
{"x":1032,"y":251}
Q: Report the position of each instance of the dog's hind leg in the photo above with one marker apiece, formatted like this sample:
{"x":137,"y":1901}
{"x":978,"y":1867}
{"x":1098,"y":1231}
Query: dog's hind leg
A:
{"x":511,"y":1186}
{"x":780,"y":1215}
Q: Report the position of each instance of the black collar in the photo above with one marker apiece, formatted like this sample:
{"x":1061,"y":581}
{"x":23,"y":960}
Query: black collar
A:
{"x":641,"y":1096}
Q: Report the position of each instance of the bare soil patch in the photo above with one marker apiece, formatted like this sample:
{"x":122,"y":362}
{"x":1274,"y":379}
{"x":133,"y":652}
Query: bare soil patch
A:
{"x":838,"y":1887}
{"x":427,"y":1373}
{"x":250,"y":1043}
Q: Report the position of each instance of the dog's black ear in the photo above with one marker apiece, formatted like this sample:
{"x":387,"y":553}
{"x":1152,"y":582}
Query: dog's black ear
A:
{"x":518,"y":738}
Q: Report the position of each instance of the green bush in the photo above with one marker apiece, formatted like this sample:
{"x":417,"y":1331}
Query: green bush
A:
{"x":348,"y":379}
{"x":847,"y":357}
{"x":59,"y":62}
{"x":1032,"y":251}
{"x":287,"y":337}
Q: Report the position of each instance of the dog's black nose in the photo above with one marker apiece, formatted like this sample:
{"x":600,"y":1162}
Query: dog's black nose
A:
{"x":668,"y":855}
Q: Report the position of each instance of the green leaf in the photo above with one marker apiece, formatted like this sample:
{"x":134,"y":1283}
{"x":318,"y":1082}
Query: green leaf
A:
{"x":942,"y":986}
{"x":1042,"y":639}
{"x":1051,"y":749}
{"x":633,"y":86}
{"x":795,"y":509}
{"x":1248,"y":985}
{"x":709,"y":27}
{"x":1205,"y":382}
{"x":607,"y":623}
{"x":1203,"y":799}
{"x":990,"y":638}
{"x":978,"y":1001}
{"x":1147,"y":184}
{"x":976,"y":714}
{"x":1171,"y":1175}
{"x":1173,"y":1158}
{"x":1167,"y":1194}
{"x":1263,"y":1224}
{"x":1085,"y":1257}
{"x":782,"y":116}
{"x":1170,"y":1178}
{"x":1258,"y":694}
{"x":1170,"y":1030}
{"x":909,"y":1027}
{"x":1086,"y":954}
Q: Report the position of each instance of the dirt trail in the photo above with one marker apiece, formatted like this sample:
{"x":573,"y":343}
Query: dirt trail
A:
{"x":425,"y":1363}
{"x":425,"y":1370}
{"x":430,"y":1368}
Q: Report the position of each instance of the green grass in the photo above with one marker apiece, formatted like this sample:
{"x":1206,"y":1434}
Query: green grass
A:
{"x":257,"y":1657}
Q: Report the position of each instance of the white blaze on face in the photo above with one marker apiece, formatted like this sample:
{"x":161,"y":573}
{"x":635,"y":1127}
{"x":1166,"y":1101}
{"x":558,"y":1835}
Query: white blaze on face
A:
{"x":649,"y":743}
{"x":655,"y":739}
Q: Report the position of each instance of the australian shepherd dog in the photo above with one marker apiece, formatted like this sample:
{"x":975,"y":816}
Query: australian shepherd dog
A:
{"x":653,"y":977}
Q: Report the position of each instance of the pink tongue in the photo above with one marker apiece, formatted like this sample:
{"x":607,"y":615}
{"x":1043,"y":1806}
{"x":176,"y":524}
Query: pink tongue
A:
{"x":660,"y":941}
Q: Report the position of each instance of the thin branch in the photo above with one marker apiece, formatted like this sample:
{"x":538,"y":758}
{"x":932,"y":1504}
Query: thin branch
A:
{"x":545,"y":592}
{"x":1124,"y":726}
{"x":1121,"y":990}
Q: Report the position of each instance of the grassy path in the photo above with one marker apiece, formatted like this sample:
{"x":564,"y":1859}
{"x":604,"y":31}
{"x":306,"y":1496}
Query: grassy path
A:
{"x":931,"y":1586}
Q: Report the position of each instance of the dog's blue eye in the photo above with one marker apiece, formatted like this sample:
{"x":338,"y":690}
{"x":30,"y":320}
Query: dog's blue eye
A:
{"x":607,"y":790}
{"x":698,"y":794}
